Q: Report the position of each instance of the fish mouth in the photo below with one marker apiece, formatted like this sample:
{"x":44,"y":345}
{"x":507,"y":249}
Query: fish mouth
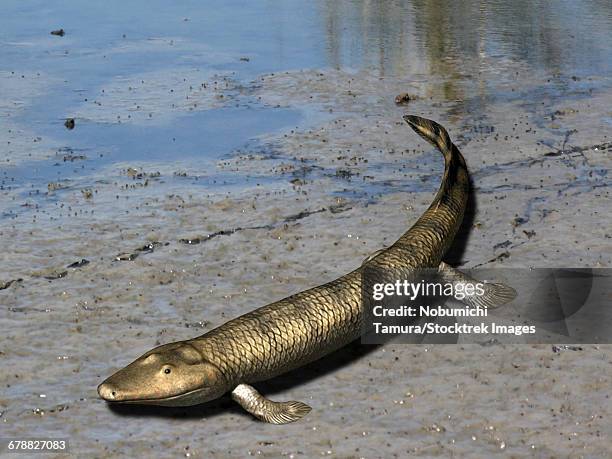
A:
{"x":113,"y":397}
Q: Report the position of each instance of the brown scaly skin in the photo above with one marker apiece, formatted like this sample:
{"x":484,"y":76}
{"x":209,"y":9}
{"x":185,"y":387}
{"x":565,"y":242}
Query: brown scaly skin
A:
{"x":296,"y":330}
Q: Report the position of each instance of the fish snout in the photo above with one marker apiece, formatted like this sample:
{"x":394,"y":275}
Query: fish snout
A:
{"x":107,"y":391}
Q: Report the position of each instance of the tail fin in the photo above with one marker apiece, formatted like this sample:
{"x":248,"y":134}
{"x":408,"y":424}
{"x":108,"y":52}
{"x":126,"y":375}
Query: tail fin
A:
{"x":431,"y":131}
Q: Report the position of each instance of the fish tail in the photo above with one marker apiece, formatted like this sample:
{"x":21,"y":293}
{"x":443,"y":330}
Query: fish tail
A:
{"x":433,"y":132}
{"x":443,"y":217}
{"x":436,"y":135}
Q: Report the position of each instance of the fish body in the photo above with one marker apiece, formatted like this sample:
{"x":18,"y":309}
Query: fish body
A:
{"x":299,"y":329}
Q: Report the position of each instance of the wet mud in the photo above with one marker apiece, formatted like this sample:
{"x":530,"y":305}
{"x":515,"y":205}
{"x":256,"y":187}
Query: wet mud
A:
{"x":139,"y":227}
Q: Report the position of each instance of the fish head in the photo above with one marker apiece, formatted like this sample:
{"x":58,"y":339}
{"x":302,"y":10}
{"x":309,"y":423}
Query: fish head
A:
{"x":429,"y":130}
{"x":175,"y":374}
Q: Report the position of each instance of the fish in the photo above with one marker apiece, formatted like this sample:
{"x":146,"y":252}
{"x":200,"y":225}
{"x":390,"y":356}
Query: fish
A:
{"x":294,"y":331}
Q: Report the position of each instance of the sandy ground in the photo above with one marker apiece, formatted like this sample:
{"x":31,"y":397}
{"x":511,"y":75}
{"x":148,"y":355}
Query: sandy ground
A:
{"x":317,"y":201}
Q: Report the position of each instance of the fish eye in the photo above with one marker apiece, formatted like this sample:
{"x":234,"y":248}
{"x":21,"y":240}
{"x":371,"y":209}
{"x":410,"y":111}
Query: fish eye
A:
{"x":166,"y":369}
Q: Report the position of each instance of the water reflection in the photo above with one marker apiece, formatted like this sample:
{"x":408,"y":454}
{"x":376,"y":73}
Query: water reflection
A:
{"x":452,"y":39}
{"x":456,"y":49}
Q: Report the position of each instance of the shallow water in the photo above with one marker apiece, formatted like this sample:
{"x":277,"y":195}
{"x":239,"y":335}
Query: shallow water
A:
{"x":272,"y":127}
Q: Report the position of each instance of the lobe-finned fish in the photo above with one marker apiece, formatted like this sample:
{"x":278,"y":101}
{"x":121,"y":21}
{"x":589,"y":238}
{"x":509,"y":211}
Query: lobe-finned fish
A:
{"x":304,"y":327}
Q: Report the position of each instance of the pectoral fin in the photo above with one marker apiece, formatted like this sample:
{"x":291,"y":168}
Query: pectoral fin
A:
{"x":494,"y":294}
{"x":267,"y":410}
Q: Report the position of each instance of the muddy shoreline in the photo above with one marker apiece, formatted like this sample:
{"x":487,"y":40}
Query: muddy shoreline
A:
{"x":131,"y":230}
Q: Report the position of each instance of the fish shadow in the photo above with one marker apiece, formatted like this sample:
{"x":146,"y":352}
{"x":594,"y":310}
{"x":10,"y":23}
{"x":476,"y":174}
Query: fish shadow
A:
{"x":223,"y":405}
{"x":454,"y":256}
